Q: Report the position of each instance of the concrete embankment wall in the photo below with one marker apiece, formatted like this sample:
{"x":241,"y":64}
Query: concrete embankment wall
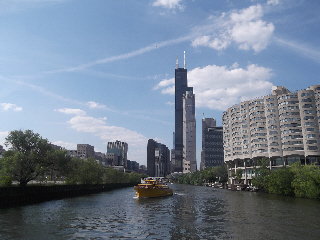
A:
{"x":15,"y":196}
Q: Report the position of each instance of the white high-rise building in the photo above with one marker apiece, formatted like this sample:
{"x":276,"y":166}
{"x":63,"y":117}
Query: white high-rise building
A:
{"x":189,"y":133}
{"x":282,"y":127}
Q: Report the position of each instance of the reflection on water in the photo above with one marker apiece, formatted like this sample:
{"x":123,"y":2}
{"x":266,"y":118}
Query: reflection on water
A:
{"x":191,"y":213}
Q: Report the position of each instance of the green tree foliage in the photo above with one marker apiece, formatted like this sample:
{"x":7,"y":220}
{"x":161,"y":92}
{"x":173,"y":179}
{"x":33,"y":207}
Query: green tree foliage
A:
{"x":221,"y":173}
{"x":87,"y":171}
{"x":29,"y":157}
{"x":261,"y":174}
{"x":207,"y":175}
{"x":5,"y":181}
{"x":91,"y":172}
{"x":307,"y":180}
{"x":279,"y":181}
{"x":238,"y":174}
{"x":294,"y":180}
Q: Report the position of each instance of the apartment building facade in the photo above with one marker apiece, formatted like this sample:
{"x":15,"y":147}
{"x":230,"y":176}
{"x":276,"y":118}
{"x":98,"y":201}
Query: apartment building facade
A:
{"x":282,"y":127}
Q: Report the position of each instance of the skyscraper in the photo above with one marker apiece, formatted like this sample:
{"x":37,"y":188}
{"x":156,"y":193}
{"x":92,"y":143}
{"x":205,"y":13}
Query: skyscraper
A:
{"x":181,"y":87}
{"x":189,"y":133}
{"x":158,"y":159}
{"x":212,"y":144}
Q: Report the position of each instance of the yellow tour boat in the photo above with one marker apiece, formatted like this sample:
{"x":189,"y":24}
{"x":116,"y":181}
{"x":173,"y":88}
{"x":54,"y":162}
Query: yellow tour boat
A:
{"x":153,"y":188}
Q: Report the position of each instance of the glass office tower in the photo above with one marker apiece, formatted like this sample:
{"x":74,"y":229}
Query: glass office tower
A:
{"x":181,"y":87}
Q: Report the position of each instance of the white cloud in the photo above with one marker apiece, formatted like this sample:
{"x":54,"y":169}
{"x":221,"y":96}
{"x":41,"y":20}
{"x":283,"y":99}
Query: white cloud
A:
{"x":244,"y":28}
{"x":73,"y":111}
{"x":96,"y":105}
{"x":8,"y":106}
{"x":273,"y":2}
{"x":220,"y":87}
{"x":169,"y":4}
{"x":99,"y":128}
{"x":164,"y":83}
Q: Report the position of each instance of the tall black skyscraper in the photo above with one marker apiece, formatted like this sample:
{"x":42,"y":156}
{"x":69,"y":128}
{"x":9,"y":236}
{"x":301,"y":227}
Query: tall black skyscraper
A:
{"x":181,"y":86}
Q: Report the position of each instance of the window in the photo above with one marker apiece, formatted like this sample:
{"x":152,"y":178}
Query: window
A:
{"x":310,"y":135}
{"x":274,"y":150}
{"x":308,"y":117}
{"x":306,"y":94}
{"x":274,"y":144}
{"x":273,"y":138}
{"x":312,"y":148}
{"x":309,"y":129}
{"x":306,"y":100}
{"x":309,"y":123}
{"x":293,"y":149}
{"x":307,"y":106}
{"x":307,"y":111}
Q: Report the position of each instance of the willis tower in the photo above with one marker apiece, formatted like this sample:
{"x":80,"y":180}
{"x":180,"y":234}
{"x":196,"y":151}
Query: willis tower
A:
{"x":181,"y":87}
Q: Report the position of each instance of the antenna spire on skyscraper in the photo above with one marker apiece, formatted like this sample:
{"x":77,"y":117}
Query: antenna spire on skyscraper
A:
{"x":177,"y":64}
{"x":184,"y":57}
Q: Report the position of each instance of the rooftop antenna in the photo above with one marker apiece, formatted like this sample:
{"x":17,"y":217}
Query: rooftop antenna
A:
{"x":177,"y":64}
{"x":184,"y":56}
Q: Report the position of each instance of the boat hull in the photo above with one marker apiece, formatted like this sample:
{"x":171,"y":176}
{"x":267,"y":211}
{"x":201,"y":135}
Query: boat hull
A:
{"x":152,"y":193}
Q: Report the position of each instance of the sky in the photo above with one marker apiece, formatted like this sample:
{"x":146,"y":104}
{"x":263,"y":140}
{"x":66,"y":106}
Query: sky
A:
{"x":90,"y":72}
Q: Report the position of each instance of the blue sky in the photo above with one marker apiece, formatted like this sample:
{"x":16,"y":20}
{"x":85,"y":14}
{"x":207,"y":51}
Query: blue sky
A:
{"x":98,"y":71}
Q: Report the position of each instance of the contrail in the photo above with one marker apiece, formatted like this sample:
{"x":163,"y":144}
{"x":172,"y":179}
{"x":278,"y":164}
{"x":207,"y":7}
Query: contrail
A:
{"x":138,"y":52}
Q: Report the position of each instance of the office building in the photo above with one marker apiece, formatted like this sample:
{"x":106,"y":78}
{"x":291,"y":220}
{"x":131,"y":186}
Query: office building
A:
{"x":189,"y":133}
{"x":85,"y":151}
{"x":112,"y":159}
{"x":158,"y":159}
{"x":181,"y":87}
{"x":121,"y":149}
{"x":212,"y":144}
{"x":282,"y":127}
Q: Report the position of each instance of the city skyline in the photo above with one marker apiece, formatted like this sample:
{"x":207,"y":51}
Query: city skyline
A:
{"x":98,"y":71}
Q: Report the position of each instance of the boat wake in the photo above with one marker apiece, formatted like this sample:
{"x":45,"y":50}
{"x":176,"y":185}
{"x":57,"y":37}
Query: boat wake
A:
{"x":180,"y":194}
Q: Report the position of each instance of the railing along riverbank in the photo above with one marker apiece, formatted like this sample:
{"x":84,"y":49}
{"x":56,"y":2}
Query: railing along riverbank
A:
{"x":16,"y":196}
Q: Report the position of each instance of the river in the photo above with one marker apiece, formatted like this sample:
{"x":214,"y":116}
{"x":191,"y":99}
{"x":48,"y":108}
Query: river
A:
{"x":193,"y":212}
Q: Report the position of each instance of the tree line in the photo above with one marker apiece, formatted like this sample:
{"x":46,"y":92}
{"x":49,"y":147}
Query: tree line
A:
{"x":219,"y":173}
{"x":31,"y":157}
{"x":294,"y":180}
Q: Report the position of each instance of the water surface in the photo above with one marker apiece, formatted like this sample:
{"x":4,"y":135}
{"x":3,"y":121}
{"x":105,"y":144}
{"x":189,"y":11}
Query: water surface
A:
{"x":193,"y":212}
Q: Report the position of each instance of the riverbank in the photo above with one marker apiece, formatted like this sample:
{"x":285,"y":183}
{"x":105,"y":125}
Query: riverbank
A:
{"x":17,"y":196}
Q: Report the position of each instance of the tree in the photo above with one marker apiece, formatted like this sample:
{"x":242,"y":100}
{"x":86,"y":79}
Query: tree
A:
{"x":306,"y":181}
{"x":221,"y":173}
{"x":87,"y":171}
{"x":238,"y":174}
{"x":261,"y":173}
{"x":279,"y":181}
{"x":29,"y":156}
{"x":208,"y":174}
